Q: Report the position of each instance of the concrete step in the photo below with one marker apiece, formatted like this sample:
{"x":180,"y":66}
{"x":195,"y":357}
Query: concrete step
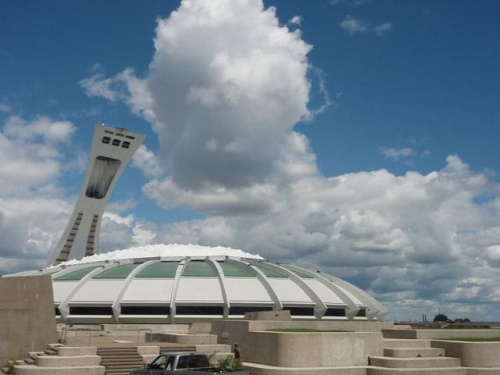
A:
{"x":148,"y":350}
{"x":373,"y":370}
{"x":76,"y":350}
{"x":414,"y":352}
{"x":148,"y":358}
{"x":36,"y":370}
{"x":406,"y":343}
{"x":120,"y":360}
{"x":68,"y":361}
{"x":433,"y":362}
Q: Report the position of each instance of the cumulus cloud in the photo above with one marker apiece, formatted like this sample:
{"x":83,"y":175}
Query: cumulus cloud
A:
{"x":31,"y":153}
{"x":5,"y":108}
{"x":383,"y":28}
{"x":353,"y":26}
{"x":32,"y":157}
{"x":396,"y":153}
{"x":223,"y":93}
{"x":295,"y":20}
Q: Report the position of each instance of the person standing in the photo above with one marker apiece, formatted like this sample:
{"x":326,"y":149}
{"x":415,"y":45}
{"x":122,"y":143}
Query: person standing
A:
{"x":238,"y":356}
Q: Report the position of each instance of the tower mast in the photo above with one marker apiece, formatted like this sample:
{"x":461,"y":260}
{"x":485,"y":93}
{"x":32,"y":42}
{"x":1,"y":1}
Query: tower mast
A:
{"x":111,"y":150}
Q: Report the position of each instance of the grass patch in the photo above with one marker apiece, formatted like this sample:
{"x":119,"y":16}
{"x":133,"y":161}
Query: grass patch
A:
{"x":475,"y":339}
{"x":303,"y":330}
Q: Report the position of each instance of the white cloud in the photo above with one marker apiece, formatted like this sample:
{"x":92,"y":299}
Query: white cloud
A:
{"x":354,"y":26}
{"x":395,"y":153}
{"x":296,"y":20}
{"x":383,"y":28}
{"x":146,"y":161}
{"x":5,"y":108}
{"x":31,"y":153}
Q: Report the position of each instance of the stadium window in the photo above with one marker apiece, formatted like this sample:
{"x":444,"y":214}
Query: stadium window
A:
{"x":145,"y":310}
{"x":199,"y":310}
{"x":91,"y":310}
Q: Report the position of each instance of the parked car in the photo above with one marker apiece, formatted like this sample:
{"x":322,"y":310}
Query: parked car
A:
{"x":182,"y":362}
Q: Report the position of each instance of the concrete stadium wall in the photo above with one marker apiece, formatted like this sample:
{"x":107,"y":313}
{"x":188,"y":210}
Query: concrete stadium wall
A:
{"x":339,"y":325}
{"x":27,"y":318}
{"x":326,"y":349}
{"x":440,"y":333}
{"x":472,"y":354}
{"x":312,"y":349}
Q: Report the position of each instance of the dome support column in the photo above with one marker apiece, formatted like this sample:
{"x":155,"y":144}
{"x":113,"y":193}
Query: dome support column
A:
{"x":118,"y":300}
{"x":178,"y":274}
{"x":222,"y":283}
{"x":319,"y":306}
{"x":374,"y":309}
{"x":64,"y":305}
{"x":351,"y":309}
{"x":263,"y":280}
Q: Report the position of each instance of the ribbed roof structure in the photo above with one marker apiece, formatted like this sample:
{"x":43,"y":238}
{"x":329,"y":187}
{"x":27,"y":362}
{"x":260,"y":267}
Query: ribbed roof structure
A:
{"x":174,"y":283}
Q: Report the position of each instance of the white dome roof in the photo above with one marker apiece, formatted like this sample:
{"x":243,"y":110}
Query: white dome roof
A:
{"x":167,"y":283}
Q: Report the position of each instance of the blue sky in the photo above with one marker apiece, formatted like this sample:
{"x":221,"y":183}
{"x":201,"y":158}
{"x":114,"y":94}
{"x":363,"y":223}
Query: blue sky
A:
{"x":376,"y":159}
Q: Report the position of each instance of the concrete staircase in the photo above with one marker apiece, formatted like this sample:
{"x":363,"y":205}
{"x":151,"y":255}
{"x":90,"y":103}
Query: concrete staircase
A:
{"x":413,"y":357}
{"x":120,"y":360}
{"x":62,"y":361}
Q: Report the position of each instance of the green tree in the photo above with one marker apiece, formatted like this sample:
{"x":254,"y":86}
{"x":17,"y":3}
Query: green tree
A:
{"x":441,"y":318}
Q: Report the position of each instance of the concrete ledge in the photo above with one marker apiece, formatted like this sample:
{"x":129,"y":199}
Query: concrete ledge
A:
{"x":259,"y":369}
{"x":191,"y":339}
{"x":431,"y":362}
{"x":483,"y":371}
{"x":414,"y":352}
{"x":77,"y":350}
{"x":420,"y":371}
{"x":68,"y":361}
{"x":439,"y":333}
{"x":216,"y":348}
{"x":35,"y":370}
{"x":473,"y":354}
{"x":406,"y":343}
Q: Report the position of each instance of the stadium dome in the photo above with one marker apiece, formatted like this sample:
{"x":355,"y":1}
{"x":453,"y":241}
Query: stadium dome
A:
{"x":181,"y":283}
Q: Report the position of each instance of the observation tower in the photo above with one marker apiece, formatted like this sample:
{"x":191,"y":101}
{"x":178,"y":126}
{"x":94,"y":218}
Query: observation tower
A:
{"x":111,"y":150}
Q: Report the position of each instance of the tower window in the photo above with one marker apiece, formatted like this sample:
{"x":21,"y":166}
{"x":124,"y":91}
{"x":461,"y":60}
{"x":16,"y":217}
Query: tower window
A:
{"x":101,"y":177}
{"x":106,"y":140}
{"x":125,"y":144}
{"x":116,"y":142}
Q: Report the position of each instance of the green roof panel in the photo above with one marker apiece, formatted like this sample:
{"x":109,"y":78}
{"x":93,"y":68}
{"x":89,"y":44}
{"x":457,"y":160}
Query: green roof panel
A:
{"x":159,"y":270}
{"x":236,"y":270}
{"x":299,"y":272}
{"x":76,"y":275}
{"x":270,"y":272}
{"x":118,"y":272}
{"x":199,"y":269}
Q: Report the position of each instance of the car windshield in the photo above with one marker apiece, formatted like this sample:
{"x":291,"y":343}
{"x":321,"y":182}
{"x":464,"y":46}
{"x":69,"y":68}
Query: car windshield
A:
{"x":159,"y":362}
